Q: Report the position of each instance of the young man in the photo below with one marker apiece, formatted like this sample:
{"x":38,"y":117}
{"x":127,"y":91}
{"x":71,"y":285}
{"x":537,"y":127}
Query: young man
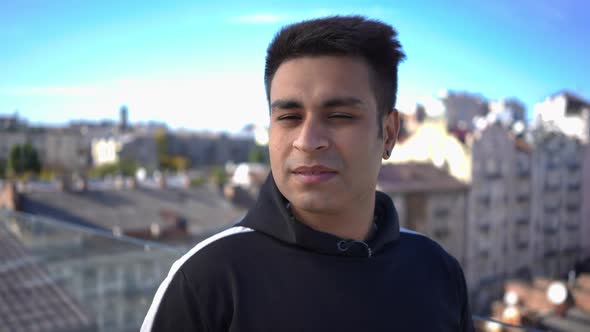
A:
{"x":321,"y":250}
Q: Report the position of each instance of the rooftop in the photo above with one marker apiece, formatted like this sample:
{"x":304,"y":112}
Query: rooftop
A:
{"x":29,"y":299}
{"x":416,"y":177}
{"x":200,"y":209}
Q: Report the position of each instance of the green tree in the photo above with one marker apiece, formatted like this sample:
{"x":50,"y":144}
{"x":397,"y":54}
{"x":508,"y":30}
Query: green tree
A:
{"x":166,"y":161}
{"x":2,"y":168}
{"x":162,"y":148}
{"x":219,"y":176}
{"x":126,"y":167}
{"x":23,"y":159}
{"x":258,"y":154}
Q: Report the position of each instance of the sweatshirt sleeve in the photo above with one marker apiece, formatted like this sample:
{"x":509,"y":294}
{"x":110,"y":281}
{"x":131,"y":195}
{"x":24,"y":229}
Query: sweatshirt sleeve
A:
{"x":175,"y":307}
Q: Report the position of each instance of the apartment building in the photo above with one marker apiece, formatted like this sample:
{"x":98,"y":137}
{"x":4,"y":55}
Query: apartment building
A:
{"x":429,"y":201}
{"x":557,"y":203}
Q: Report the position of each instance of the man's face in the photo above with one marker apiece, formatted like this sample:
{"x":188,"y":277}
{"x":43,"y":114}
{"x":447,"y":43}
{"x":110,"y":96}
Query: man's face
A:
{"x":325,"y":151}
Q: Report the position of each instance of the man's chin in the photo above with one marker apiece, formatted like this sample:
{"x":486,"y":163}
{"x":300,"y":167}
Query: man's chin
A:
{"x":315,"y":203}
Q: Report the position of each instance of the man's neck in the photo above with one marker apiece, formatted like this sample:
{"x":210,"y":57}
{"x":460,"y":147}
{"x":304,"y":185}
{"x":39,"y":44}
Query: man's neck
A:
{"x":356,"y":224}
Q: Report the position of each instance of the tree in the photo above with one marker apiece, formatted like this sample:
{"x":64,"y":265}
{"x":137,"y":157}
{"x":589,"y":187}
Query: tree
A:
{"x":162,"y":148}
{"x":125,"y":167}
{"x":167,"y":161}
{"x":219,"y":176}
{"x":258,"y":154}
{"x":23,"y":159}
{"x":2,"y":168}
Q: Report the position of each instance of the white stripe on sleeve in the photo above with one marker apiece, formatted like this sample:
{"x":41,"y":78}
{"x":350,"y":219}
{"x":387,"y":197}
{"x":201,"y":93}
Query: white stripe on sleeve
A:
{"x":149,"y":318}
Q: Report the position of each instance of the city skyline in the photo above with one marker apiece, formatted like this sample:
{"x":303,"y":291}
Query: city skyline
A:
{"x":200,"y":66}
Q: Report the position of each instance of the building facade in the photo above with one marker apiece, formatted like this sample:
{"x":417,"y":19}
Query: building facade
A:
{"x":429,"y":201}
{"x":461,"y":108}
{"x":499,"y":227}
{"x":566,"y":113}
{"x":57,"y":148}
{"x":432,"y":143}
{"x":557,"y":203}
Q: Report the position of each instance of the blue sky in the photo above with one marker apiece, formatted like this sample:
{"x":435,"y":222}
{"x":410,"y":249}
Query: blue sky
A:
{"x":199,"y":65}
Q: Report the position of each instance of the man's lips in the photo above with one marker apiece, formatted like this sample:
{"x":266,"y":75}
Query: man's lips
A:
{"x":313,"y":174}
{"x":316,"y":169}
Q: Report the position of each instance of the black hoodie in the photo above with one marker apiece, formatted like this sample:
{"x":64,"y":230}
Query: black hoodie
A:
{"x":273,"y":273}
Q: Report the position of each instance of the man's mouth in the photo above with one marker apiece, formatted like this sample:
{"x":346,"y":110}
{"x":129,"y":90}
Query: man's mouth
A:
{"x":316,"y":169}
{"x":314,"y":174}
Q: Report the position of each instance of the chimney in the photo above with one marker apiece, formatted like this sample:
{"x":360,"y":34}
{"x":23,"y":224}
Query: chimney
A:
{"x":63,"y":184}
{"x":83,"y":184}
{"x":9,"y":197}
{"x":119,"y":182}
{"x":186,"y":182}
{"x":132,"y":183}
{"x":162,"y":182}
{"x":155,"y":230}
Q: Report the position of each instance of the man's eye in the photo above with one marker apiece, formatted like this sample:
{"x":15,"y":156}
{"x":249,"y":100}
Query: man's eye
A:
{"x":340,"y":116}
{"x":289,"y":117}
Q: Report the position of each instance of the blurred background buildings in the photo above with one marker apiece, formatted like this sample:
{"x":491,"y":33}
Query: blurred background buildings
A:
{"x":507,"y":199}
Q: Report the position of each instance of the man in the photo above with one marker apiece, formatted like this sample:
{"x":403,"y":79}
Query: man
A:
{"x":321,"y":250}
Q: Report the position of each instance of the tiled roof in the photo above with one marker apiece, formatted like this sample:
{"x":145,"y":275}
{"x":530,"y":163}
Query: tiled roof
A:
{"x":128,"y":209}
{"x":29,"y":299}
{"x":416,"y":177}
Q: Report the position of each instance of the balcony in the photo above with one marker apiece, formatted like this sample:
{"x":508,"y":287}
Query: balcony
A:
{"x":484,"y":200}
{"x":523,"y":197}
{"x":441,"y":233}
{"x":551,"y":187}
{"x":523,"y":169}
{"x":484,"y":253}
{"x":552,"y":164}
{"x":551,"y":209}
{"x":571,"y":250}
{"x":574,"y":186}
{"x":550,"y":254}
{"x":550,"y":229}
{"x":441,"y":213}
{"x":484,"y":227}
{"x":573,"y":165}
{"x":522,"y":245}
{"x":572,"y":207}
{"x":492,"y":175}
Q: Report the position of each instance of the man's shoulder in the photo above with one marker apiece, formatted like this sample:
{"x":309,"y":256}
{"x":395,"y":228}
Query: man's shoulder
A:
{"x":214,"y":251}
{"x":416,"y":239}
{"x":426,"y":248}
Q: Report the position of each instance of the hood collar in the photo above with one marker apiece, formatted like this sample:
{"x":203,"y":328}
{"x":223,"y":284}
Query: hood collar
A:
{"x":271,"y":216}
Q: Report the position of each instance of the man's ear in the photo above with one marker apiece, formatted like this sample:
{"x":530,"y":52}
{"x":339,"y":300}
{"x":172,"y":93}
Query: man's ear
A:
{"x":391,"y":127}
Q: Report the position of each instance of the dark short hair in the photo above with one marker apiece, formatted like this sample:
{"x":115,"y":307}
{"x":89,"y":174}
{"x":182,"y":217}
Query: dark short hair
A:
{"x":356,"y":36}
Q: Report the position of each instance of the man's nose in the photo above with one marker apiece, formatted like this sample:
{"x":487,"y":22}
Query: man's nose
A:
{"x":312,"y":136}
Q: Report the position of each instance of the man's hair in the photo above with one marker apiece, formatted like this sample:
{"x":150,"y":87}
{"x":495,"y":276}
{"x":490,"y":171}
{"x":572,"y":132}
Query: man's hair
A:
{"x":355,"y":36}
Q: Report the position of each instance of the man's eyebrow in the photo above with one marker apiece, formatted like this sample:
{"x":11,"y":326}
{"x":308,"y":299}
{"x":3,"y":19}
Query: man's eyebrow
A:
{"x":285,"y":104}
{"x":342,"y":101}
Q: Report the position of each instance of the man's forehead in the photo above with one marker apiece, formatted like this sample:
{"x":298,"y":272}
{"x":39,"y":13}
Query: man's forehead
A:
{"x":336,"y":101}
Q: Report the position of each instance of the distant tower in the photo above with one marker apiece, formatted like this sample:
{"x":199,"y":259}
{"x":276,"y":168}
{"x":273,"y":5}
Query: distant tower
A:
{"x":123,"y":118}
